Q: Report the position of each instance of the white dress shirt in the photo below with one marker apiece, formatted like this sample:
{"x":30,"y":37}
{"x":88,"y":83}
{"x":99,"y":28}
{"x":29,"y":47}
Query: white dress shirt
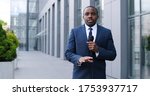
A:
{"x":94,"y":31}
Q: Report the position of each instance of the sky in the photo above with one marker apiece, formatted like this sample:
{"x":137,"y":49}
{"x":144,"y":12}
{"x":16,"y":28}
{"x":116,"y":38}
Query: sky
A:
{"x":5,"y":11}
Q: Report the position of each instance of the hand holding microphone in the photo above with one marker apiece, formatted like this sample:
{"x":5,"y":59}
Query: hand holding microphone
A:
{"x":90,"y":42}
{"x":90,"y":38}
{"x":92,"y":45}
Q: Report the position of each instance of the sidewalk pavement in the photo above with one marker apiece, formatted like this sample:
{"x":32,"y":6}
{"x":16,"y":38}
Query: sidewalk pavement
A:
{"x":37,"y":65}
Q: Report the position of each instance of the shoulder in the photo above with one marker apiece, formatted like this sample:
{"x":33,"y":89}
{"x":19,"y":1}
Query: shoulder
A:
{"x":105,"y":31}
{"x":102,"y":28}
{"x":78,"y":29}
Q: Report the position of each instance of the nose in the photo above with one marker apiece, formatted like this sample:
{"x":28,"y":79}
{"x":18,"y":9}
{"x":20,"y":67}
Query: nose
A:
{"x":90,"y":15}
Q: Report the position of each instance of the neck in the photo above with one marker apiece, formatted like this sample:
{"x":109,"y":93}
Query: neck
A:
{"x":90,"y":25}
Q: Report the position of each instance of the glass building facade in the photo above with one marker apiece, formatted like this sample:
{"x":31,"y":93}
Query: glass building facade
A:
{"x":24,"y":14}
{"x":139,"y":38}
{"x":18,"y":21}
{"x":32,"y":17}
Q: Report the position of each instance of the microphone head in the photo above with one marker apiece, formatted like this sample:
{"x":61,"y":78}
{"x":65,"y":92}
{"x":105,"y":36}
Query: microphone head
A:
{"x":91,"y":38}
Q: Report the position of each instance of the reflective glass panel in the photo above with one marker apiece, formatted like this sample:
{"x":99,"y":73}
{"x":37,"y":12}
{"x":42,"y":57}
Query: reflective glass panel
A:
{"x":146,"y":46}
{"x":145,"y":5}
{"x":134,"y":7}
{"x":134,"y":29}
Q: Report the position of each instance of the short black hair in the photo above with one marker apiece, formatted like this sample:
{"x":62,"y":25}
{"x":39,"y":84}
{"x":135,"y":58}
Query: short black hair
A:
{"x":93,"y":8}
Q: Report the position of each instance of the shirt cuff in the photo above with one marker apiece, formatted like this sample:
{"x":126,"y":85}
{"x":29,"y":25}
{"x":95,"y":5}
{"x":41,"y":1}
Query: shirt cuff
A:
{"x":97,"y":53}
{"x":78,"y":63}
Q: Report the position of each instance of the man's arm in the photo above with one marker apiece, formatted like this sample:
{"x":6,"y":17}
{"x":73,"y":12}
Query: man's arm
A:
{"x":108,"y":53}
{"x":70,"y":52}
{"x":71,"y":55}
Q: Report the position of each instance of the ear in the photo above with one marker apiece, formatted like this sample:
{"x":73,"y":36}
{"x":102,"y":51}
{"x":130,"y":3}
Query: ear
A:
{"x":97,"y":16}
{"x":83,"y":16}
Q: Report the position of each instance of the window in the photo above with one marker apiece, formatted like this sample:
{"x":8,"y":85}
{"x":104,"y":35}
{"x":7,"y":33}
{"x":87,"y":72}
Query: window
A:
{"x":139,"y":30}
{"x":78,"y":14}
{"x":134,"y":7}
{"x":145,"y":6}
{"x":134,"y":29}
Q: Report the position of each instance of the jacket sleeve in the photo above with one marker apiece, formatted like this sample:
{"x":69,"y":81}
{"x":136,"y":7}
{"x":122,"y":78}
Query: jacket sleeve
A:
{"x":108,"y":53}
{"x":70,"y":52}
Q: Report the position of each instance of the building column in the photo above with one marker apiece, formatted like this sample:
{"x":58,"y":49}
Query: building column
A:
{"x":56,"y":29}
{"x":71,"y":14}
{"x":62,"y":46}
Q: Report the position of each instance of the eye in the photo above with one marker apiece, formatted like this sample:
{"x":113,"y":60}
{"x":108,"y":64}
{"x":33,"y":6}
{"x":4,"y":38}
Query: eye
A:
{"x":86,"y":14}
{"x":93,"y":13}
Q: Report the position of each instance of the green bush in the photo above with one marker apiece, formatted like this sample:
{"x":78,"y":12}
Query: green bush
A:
{"x":8,"y":45}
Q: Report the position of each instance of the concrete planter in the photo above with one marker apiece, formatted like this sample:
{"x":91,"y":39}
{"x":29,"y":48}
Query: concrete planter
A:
{"x":7,"y":70}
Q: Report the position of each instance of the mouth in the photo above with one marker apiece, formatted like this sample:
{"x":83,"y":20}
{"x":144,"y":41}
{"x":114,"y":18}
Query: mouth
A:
{"x":90,"y":21}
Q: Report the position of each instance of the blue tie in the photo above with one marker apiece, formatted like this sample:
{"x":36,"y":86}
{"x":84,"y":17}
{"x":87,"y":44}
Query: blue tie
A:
{"x":91,"y":37}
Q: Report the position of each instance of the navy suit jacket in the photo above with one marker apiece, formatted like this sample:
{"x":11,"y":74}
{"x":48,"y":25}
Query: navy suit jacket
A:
{"x":77,"y":47}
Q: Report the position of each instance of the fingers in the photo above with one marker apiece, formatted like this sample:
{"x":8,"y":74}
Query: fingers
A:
{"x":86,"y":59}
{"x":90,"y":60}
{"x":91,"y":45}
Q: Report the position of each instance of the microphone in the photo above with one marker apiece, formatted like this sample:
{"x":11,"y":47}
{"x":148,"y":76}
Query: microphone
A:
{"x":90,"y":38}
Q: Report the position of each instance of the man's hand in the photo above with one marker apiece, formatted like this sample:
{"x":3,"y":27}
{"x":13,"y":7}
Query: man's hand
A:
{"x":86,"y":59}
{"x":92,"y":46}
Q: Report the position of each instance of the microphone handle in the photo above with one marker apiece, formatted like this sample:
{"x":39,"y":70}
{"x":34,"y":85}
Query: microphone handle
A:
{"x":91,"y":38}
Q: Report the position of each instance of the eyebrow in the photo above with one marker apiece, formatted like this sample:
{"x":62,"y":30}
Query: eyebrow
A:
{"x":95,"y":10}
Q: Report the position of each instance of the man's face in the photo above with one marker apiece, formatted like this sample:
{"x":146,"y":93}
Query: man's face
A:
{"x":90,"y":16}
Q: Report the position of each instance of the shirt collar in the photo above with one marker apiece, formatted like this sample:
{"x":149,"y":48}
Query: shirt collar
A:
{"x":93,"y":27}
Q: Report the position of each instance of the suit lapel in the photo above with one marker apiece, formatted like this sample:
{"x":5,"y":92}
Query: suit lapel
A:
{"x":84,"y":35}
{"x":83,"y":38}
{"x":98,"y":34}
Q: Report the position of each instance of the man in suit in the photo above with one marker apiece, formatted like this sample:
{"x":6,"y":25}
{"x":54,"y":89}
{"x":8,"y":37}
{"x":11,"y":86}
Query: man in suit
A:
{"x":88,"y":47}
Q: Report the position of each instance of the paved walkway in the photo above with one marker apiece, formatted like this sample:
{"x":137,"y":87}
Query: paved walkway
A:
{"x":37,"y":65}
